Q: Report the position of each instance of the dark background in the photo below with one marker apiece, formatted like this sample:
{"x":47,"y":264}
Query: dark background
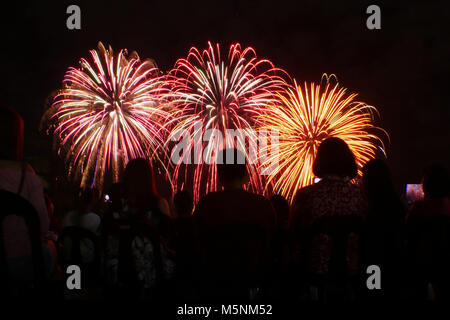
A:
{"x":402,"y":69}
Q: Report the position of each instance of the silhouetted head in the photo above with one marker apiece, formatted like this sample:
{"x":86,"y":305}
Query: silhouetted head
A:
{"x":435,"y":181}
{"x":377,"y":181}
{"x":334,"y":158}
{"x":231,"y":169}
{"x":183,"y":203}
{"x":281,"y":206}
{"x":11,"y":135}
{"x":139,"y":183}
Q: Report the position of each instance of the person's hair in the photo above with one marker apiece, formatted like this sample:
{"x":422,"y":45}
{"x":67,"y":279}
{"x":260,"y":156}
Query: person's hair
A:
{"x":377,"y":181}
{"x":11,"y":134}
{"x":231,"y":165}
{"x":183,"y":203}
{"x":139,"y":182}
{"x":436,"y":181}
{"x":281,"y":207}
{"x":334,"y":157}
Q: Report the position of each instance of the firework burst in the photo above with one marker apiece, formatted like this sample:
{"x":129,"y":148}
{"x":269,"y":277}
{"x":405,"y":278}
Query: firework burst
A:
{"x":219,"y":93}
{"x":304,"y":117}
{"x":107,"y":113}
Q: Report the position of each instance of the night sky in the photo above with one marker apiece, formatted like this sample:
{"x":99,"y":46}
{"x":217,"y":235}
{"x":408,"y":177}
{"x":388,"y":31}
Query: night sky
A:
{"x":402,"y":69}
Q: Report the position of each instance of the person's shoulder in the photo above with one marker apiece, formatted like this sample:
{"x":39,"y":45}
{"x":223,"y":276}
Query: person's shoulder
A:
{"x":357,"y":192}
{"x":31,"y":178}
{"x":209,"y":200}
{"x":29,"y":168}
{"x":210,"y":196}
{"x":259,"y":198}
{"x":226,"y":194}
{"x":306,"y":190}
{"x":355,"y":188}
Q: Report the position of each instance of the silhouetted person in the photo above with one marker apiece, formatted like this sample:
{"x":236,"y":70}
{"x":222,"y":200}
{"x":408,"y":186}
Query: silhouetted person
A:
{"x":384,"y":224}
{"x":281,"y":207}
{"x":142,"y":200}
{"x":18,"y":177}
{"x":83,"y":215}
{"x":428,"y":236}
{"x":139,"y":237}
{"x":139,"y":187}
{"x":185,"y":244}
{"x":235,"y":229}
{"x":281,"y":245}
{"x":334,"y":195}
{"x":436,"y":186}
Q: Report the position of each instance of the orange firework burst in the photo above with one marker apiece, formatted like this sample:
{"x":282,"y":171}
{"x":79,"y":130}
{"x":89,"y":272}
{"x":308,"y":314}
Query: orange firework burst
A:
{"x":304,"y":117}
{"x":107,"y":113}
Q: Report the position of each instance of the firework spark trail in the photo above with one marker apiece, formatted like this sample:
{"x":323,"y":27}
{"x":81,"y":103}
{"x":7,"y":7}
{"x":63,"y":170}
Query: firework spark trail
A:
{"x":306,"y":116}
{"x":107,"y":113}
{"x":219,"y":94}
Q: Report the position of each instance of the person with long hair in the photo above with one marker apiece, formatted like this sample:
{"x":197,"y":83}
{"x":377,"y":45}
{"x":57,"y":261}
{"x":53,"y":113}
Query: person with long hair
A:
{"x":140,"y":192}
{"x":384,"y":224}
{"x":334,"y":195}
